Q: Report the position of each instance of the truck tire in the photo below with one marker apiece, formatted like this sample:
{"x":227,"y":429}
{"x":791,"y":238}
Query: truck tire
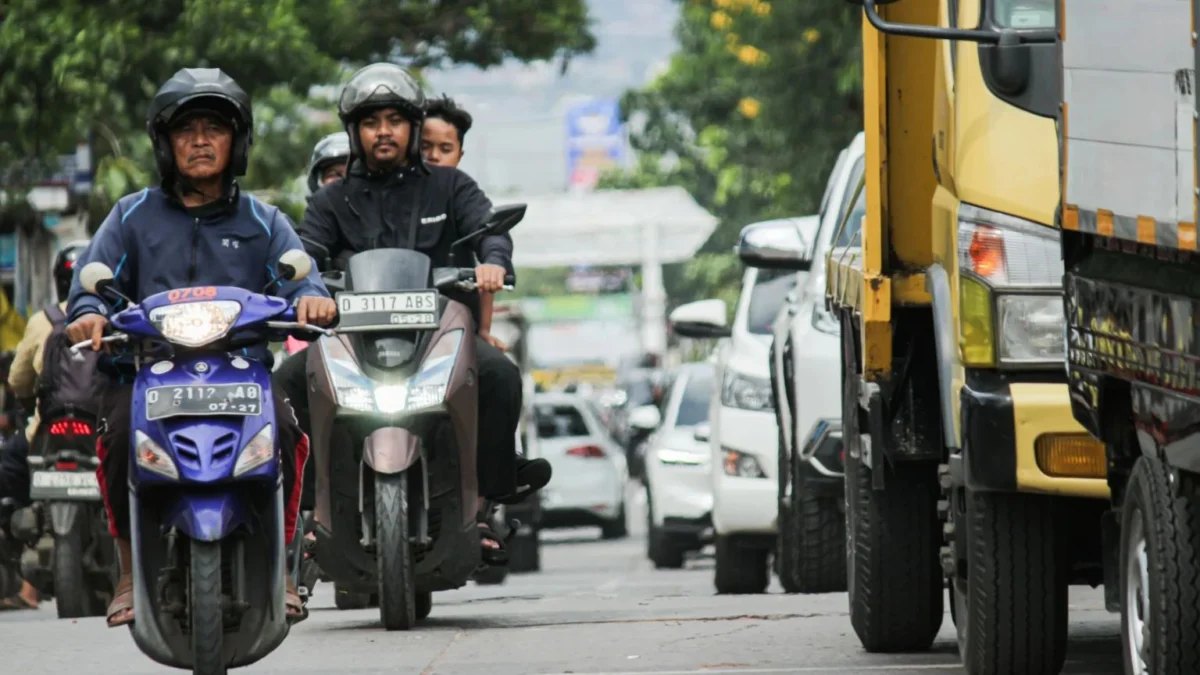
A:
{"x":1013,"y":601}
{"x":894,"y":576}
{"x":741,"y":566}
{"x":820,"y":563}
{"x":1160,"y":542}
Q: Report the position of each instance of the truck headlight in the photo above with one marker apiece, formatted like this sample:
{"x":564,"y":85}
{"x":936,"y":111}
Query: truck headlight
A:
{"x":1010,"y":290}
{"x":745,"y":392}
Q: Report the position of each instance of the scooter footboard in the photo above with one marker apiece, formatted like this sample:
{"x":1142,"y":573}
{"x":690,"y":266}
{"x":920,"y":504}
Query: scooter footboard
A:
{"x":254,"y":555}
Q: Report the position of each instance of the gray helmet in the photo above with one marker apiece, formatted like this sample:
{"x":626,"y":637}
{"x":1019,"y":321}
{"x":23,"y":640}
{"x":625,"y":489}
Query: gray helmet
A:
{"x":194,"y":89}
{"x":333,"y":148}
{"x":383,"y":85}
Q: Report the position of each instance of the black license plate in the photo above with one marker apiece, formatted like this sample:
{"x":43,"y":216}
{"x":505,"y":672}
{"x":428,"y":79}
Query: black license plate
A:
{"x":214,"y":399}
{"x":394,"y":310}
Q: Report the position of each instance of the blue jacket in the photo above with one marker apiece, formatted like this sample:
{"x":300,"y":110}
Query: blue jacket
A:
{"x":154,"y":244}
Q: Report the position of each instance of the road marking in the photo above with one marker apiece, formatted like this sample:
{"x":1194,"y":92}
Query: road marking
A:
{"x":764,"y":671}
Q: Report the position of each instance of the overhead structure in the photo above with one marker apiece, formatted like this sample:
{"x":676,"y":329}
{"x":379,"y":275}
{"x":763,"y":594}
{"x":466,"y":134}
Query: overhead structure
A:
{"x":615,"y":227}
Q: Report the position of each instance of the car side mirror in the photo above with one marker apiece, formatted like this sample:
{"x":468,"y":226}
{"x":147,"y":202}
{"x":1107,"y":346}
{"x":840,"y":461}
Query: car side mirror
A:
{"x":701,"y":320}
{"x":294,"y":265}
{"x":779,"y":244}
{"x":95,"y":277}
{"x":702,"y":432}
{"x":645,"y":418}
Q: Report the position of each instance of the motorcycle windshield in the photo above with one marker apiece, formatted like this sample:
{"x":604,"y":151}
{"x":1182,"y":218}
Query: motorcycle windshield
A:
{"x":387,"y":269}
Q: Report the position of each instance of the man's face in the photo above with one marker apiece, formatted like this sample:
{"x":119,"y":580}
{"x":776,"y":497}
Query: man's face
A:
{"x":384,"y":135}
{"x":440,"y":143}
{"x":201,"y":144}
{"x":333,"y":171}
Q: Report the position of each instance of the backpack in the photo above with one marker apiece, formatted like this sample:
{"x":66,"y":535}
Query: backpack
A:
{"x":70,"y":384}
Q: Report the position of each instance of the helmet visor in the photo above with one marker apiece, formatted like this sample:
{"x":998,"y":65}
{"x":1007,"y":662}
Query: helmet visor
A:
{"x":379,"y":85}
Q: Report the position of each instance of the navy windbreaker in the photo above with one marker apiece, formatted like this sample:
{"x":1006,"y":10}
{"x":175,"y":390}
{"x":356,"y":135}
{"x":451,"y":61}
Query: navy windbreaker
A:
{"x":154,"y":244}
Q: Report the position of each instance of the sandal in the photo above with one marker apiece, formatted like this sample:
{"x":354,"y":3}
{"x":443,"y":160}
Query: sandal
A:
{"x":120,"y":610}
{"x":296,"y":610}
{"x":492,"y":557}
{"x":15,"y":604}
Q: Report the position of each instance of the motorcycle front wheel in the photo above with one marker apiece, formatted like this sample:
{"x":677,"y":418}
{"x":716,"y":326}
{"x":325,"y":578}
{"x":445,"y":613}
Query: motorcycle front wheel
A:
{"x":393,"y":553}
{"x":204,"y":608}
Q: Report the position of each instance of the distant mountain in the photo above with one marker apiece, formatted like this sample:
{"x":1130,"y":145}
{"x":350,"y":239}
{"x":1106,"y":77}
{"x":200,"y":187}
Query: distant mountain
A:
{"x":518,"y":143}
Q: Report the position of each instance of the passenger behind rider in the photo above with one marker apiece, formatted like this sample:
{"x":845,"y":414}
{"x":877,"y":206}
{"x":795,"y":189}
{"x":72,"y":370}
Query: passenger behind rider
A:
{"x":330,"y":156}
{"x":196,"y":229}
{"x":23,"y":377}
{"x":377,"y":206}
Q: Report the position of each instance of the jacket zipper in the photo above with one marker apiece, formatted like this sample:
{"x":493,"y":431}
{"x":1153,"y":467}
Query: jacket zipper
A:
{"x":195,"y":246}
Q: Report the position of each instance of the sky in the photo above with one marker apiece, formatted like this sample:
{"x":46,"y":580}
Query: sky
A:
{"x":518,"y":142}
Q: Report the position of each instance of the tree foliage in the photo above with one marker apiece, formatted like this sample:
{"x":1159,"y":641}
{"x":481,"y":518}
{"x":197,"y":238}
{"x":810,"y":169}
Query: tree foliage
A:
{"x":749,"y":117}
{"x":71,"y":68}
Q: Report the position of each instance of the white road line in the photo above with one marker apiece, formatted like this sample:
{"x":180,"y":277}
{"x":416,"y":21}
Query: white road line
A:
{"x":764,"y":671}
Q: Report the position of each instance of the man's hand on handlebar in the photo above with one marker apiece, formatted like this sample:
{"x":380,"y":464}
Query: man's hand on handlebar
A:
{"x":489,"y":278}
{"x":317,"y":310}
{"x":88,"y":327}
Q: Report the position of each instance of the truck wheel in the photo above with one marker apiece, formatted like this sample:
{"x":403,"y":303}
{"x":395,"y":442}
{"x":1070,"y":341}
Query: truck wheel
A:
{"x":893,"y":573}
{"x":1160,"y":560}
{"x":820,"y":563}
{"x":1014,"y":596}
{"x":741,"y":566}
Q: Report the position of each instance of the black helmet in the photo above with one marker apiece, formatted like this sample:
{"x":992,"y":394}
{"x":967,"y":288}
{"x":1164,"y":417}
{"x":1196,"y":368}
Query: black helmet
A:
{"x":383,"y":85}
{"x":333,"y":148}
{"x":207,"y":89}
{"x":64,"y":266}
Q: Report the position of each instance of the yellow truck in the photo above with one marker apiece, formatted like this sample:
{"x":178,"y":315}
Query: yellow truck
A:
{"x":965,"y":467}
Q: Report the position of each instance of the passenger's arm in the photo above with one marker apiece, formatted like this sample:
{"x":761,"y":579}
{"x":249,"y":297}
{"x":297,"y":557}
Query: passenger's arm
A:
{"x":284,"y":238}
{"x":108,"y":247}
{"x":319,"y":225}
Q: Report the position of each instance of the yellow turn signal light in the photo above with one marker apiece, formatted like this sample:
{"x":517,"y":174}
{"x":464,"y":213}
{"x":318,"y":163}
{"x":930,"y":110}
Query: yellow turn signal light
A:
{"x":1071,"y":456}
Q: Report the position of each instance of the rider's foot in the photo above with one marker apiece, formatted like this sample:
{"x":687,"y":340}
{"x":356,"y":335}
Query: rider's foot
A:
{"x":296,"y":611}
{"x":532,"y":475}
{"x":120,"y":610}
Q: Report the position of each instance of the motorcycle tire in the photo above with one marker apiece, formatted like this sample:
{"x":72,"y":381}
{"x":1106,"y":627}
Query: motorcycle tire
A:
{"x":73,"y":596}
{"x":204,"y":609}
{"x":393,"y":553}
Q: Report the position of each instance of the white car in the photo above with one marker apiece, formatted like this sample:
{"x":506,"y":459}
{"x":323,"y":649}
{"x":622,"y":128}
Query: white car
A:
{"x":743,"y":438}
{"x":807,"y":382}
{"x":590,"y":473}
{"x":678,"y":465}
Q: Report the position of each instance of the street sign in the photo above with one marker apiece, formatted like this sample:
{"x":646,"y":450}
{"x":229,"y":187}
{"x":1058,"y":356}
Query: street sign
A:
{"x":595,"y":142}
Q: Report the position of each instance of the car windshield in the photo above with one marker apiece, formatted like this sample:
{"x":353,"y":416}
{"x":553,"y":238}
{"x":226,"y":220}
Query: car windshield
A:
{"x":560,"y":421}
{"x":693,"y":407}
{"x":770,"y":289}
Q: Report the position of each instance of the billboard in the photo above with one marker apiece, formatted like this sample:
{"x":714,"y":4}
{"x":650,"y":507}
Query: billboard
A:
{"x":595,"y":141}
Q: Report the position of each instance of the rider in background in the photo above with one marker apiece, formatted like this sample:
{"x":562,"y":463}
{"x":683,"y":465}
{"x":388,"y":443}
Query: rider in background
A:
{"x":442,"y":137}
{"x":196,"y":229}
{"x":329,"y":159}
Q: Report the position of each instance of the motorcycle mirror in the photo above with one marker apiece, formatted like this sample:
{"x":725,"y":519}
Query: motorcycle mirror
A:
{"x":318,"y":250}
{"x":95,"y":277}
{"x":294,"y":264}
{"x":502,"y":220}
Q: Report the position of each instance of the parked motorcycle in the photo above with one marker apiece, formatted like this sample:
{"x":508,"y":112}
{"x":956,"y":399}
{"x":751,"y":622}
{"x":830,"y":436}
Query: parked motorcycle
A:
{"x":394,"y":414}
{"x":70,"y":553}
{"x":206,"y":496}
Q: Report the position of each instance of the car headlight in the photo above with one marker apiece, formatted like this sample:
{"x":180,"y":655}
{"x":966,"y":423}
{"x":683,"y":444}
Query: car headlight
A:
{"x":426,"y":388}
{"x":1010,"y":290}
{"x":259,"y":451}
{"x":741,"y":464}
{"x":151,"y":456}
{"x":680,"y":457}
{"x":195,"y":324}
{"x":745,"y":392}
{"x":824,"y":320}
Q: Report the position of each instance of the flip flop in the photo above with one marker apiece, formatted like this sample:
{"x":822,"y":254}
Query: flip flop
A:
{"x":16,"y":603}
{"x":296,"y":609}
{"x":122,"y":604}
{"x":491,"y":556}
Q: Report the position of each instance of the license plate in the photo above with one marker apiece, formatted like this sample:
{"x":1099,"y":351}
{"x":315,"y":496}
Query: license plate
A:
{"x":215,"y":399}
{"x":399,"y":310}
{"x":64,"y":485}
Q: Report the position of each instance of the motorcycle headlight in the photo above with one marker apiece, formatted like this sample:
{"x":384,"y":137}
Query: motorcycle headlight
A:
{"x":151,"y":457}
{"x":259,"y":451}
{"x":745,"y":392}
{"x":1010,"y":291}
{"x":195,"y":324}
{"x":426,"y":388}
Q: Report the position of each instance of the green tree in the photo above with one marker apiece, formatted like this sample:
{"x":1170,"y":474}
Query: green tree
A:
{"x":749,"y":118}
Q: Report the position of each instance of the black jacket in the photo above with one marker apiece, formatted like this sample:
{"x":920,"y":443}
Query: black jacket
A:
{"x":368,"y":211}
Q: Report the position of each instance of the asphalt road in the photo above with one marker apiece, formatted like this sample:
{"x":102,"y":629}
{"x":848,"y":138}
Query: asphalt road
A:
{"x":596,"y":608}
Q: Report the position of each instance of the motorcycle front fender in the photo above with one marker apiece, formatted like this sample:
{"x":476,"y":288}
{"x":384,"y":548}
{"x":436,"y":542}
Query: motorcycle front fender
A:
{"x":391,"y":450}
{"x":207,"y":516}
{"x":65,"y":515}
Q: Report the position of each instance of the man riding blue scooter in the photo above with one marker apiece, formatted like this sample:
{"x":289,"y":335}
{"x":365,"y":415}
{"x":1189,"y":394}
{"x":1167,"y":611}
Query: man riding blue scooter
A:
{"x":196,"y":229}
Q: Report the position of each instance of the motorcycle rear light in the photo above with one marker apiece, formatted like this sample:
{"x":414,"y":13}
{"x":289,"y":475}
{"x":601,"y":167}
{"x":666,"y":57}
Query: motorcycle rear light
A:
{"x":70,"y":428}
{"x":66,"y":466}
{"x":587,"y":451}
